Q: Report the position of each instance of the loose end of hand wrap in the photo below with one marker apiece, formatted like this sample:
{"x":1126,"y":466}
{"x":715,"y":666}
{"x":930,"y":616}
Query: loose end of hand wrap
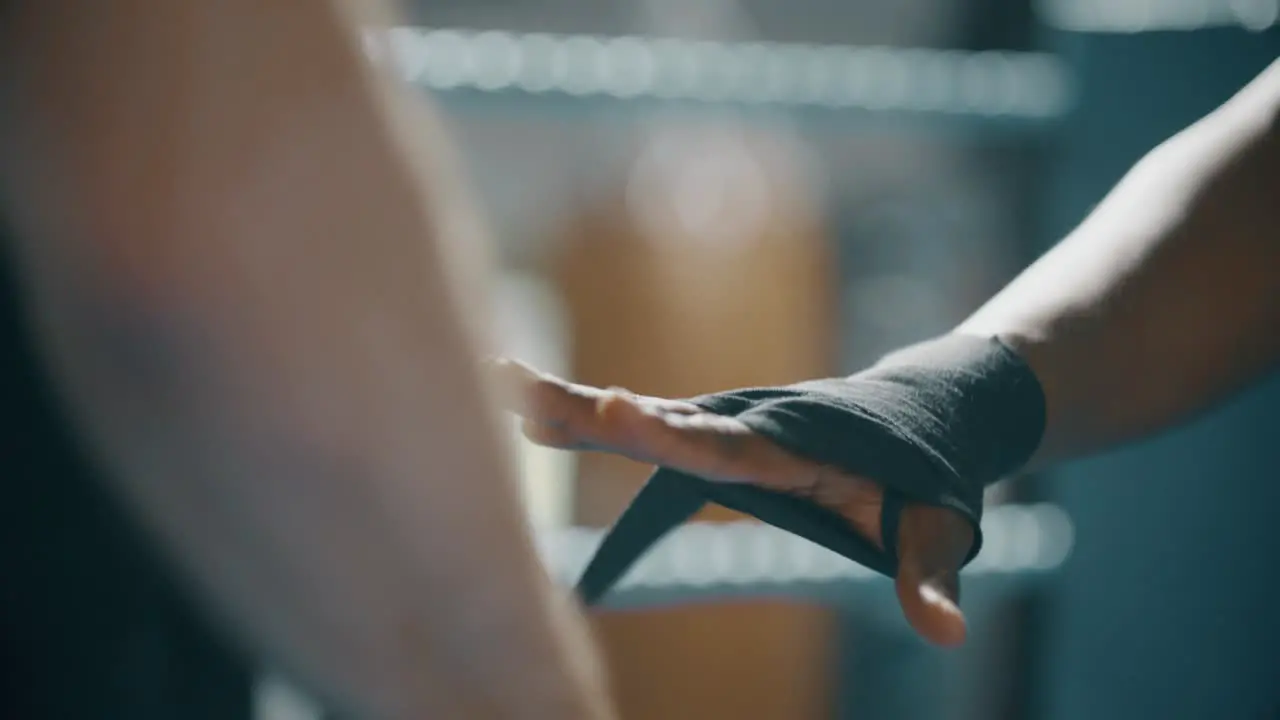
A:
{"x":666,"y":501}
{"x":933,"y":424}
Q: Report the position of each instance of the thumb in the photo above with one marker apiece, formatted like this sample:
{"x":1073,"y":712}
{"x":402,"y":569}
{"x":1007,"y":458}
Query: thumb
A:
{"x":932,"y":544}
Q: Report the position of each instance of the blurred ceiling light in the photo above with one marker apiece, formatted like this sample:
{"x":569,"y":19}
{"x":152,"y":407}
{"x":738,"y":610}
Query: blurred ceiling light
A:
{"x":991,"y":84}
{"x":583,"y":69}
{"x":498,"y":61}
{"x":1257,"y":15}
{"x":1134,"y":16}
{"x":629,"y":68}
{"x":541,"y":63}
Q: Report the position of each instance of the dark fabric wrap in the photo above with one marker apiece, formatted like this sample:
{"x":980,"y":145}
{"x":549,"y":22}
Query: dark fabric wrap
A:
{"x":933,"y":424}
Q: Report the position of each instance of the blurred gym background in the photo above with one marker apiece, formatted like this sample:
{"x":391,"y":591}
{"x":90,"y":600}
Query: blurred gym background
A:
{"x":692,"y":195}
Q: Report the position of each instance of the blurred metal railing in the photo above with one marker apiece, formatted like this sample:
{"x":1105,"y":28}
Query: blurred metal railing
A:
{"x":705,"y":561}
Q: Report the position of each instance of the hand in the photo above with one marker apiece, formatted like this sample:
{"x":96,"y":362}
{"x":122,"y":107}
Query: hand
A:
{"x":932,"y":542}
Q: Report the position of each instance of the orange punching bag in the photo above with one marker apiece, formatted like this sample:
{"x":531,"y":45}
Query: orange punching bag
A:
{"x":706,"y":270}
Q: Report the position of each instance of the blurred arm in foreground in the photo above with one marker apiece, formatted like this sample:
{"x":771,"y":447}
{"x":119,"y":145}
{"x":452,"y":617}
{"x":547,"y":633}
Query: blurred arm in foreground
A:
{"x":243,"y":248}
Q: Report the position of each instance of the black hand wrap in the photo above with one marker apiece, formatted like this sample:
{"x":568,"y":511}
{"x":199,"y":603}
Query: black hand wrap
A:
{"x":933,"y":424}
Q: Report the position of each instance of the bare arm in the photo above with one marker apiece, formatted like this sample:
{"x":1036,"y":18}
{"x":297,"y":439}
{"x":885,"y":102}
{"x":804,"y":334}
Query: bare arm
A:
{"x":1167,"y":298}
{"x":241,"y":264}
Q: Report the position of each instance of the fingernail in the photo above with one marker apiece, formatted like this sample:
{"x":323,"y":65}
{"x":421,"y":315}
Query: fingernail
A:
{"x":932,"y":594}
{"x":951,"y":631}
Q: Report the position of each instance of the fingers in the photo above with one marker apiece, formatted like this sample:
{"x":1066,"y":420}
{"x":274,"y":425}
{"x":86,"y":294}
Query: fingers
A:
{"x":540,"y":397}
{"x":549,"y":436}
{"x":565,"y":414}
{"x":704,"y":444}
{"x":724,"y":449}
{"x":544,"y":399}
{"x":712,"y":446}
{"x":932,"y":544}
{"x":681,"y":436}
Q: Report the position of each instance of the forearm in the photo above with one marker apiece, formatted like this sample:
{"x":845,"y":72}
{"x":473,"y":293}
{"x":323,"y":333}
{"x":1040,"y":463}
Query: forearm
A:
{"x":392,"y":574}
{"x":1166,"y":299}
{"x":241,"y":271}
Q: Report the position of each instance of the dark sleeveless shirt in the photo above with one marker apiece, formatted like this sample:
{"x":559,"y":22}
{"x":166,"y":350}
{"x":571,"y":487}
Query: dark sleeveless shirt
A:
{"x":91,"y":624}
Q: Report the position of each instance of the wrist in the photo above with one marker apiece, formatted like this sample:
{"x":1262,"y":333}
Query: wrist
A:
{"x":1037,"y":352}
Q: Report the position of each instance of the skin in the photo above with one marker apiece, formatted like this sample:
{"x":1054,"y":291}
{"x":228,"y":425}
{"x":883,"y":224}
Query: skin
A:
{"x":1163,"y":302}
{"x":244,"y":250}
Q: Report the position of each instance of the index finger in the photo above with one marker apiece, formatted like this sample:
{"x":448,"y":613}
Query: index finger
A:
{"x":546,"y":399}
